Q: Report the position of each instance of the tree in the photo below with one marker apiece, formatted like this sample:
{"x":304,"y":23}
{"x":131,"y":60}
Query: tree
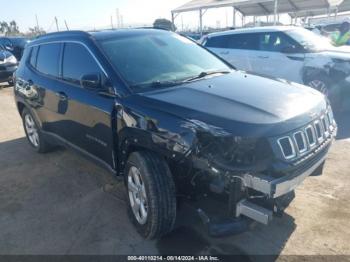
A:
{"x":13,"y":28}
{"x":9,"y":28}
{"x":4,"y":27}
{"x":164,"y":24}
{"x":35,"y":31}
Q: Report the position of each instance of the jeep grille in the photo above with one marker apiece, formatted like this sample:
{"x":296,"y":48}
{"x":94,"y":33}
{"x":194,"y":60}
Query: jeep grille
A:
{"x":304,"y":140}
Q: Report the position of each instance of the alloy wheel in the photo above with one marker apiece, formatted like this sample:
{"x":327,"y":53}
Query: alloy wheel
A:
{"x":31,"y":130}
{"x":320,"y":86}
{"x":137,"y":195}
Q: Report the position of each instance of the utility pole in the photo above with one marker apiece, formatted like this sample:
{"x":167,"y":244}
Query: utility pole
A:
{"x":275,"y":11}
{"x":336,"y":14}
{"x":182,"y":23}
{"x":201,"y":22}
{"x":118,"y":17}
{"x":65,"y":22}
{"x":121,"y":21}
{"x":56,"y":21}
{"x":234,"y":17}
{"x":112,"y":22}
{"x":37,"y":21}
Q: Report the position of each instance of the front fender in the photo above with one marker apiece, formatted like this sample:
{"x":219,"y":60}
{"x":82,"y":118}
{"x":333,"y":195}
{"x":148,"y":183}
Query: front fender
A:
{"x":158,"y":132}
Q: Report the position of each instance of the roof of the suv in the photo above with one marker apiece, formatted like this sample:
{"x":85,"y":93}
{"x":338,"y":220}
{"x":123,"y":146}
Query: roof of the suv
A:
{"x":254,"y":30}
{"x":98,"y":35}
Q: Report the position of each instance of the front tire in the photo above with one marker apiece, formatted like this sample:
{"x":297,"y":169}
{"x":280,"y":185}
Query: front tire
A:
{"x":151,"y":194}
{"x":33,"y":133}
{"x":320,"y":83}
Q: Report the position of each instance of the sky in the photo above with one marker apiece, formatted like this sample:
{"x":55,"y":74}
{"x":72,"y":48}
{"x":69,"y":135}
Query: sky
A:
{"x":89,"y":14}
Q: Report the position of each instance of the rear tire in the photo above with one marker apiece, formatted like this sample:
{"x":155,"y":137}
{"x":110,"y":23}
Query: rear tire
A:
{"x":33,"y":133}
{"x":151,"y":194}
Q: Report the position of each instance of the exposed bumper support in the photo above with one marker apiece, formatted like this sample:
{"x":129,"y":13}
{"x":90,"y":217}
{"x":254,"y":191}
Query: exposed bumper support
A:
{"x":255,"y":212}
{"x":278,"y":187}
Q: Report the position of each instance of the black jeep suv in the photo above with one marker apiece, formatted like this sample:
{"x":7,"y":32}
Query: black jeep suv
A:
{"x":177,"y":122}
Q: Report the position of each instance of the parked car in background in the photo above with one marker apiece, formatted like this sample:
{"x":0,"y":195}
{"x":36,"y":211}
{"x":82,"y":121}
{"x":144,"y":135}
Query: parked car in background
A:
{"x":15,"y":45}
{"x":327,"y":28}
{"x":8,"y":65}
{"x":176,"y":122}
{"x":193,"y":36}
{"x":290,"y":53}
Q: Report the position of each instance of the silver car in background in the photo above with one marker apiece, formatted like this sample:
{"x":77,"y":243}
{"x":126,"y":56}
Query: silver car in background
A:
{"x":286,"y":52}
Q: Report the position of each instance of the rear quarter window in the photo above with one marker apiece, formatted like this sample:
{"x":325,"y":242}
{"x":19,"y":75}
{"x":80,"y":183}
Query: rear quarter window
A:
{"x":33,"y":56}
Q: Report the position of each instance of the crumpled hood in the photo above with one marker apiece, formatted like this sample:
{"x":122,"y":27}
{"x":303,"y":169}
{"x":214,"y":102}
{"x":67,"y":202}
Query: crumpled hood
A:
{"x":240,"y":103}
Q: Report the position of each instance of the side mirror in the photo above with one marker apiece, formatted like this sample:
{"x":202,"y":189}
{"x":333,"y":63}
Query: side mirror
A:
{"x":91,"y":81}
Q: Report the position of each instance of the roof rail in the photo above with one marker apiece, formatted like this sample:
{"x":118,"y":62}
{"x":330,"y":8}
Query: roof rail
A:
{"x":64,"y":33}
{"x":153,"y":27}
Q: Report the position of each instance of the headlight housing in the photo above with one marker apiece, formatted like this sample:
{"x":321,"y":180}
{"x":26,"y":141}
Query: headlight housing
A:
{"x":11,"y":59}
{"x":234,"y":151}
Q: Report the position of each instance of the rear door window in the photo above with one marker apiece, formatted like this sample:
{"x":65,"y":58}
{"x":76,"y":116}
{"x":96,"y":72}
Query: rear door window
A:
{"x":48,"y":59}
{"x":217,"y":42}
{"x":77,"y":61}
{"x":243,"y":41}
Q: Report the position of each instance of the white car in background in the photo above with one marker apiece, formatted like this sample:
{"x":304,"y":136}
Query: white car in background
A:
{"x":286,"y":52}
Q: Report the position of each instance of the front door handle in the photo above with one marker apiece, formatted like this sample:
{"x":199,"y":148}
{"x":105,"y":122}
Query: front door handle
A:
{"x":224,"y":53}
{"x":62,"y":96}
{"x":263,"y":57}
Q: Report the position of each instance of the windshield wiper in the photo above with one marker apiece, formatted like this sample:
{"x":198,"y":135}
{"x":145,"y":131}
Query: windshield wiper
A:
{"x":205,"y":74}
{"x":162,"y":84}
{"x":157,"y":84}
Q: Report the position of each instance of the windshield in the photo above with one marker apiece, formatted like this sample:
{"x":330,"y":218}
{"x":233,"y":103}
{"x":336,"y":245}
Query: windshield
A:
{"x":159,"y":57}
{"x":310,"y":40}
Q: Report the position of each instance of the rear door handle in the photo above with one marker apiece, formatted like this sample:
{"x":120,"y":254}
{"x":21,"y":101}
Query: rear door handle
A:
{"x":62,"y":96}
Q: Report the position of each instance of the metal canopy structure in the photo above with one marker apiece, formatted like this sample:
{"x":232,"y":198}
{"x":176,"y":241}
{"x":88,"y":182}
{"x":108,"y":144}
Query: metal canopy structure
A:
{"x":264,"y":7}
{"x":341,"y":8}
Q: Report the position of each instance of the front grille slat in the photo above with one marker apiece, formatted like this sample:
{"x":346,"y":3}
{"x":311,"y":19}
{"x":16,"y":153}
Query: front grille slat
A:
{"x":301,"y":143}
{"x":286,"y":144}
{"x":319,"y":131}
{"x":325,"y":125}
{"x":311,"y":137}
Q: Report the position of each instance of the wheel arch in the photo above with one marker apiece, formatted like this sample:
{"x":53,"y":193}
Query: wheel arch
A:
{"x":133,"y":140}
{"x":310,"y":72}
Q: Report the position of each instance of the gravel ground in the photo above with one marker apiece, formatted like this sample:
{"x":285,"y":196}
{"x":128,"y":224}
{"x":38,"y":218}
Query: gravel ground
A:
{"x":60,"y":203}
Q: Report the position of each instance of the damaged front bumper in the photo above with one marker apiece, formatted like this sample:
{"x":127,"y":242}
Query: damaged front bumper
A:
{"x":268,"y":195}
{"x":274,"y":188}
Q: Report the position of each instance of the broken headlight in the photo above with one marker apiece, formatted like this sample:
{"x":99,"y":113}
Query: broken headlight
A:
{"x":232,"y":151}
